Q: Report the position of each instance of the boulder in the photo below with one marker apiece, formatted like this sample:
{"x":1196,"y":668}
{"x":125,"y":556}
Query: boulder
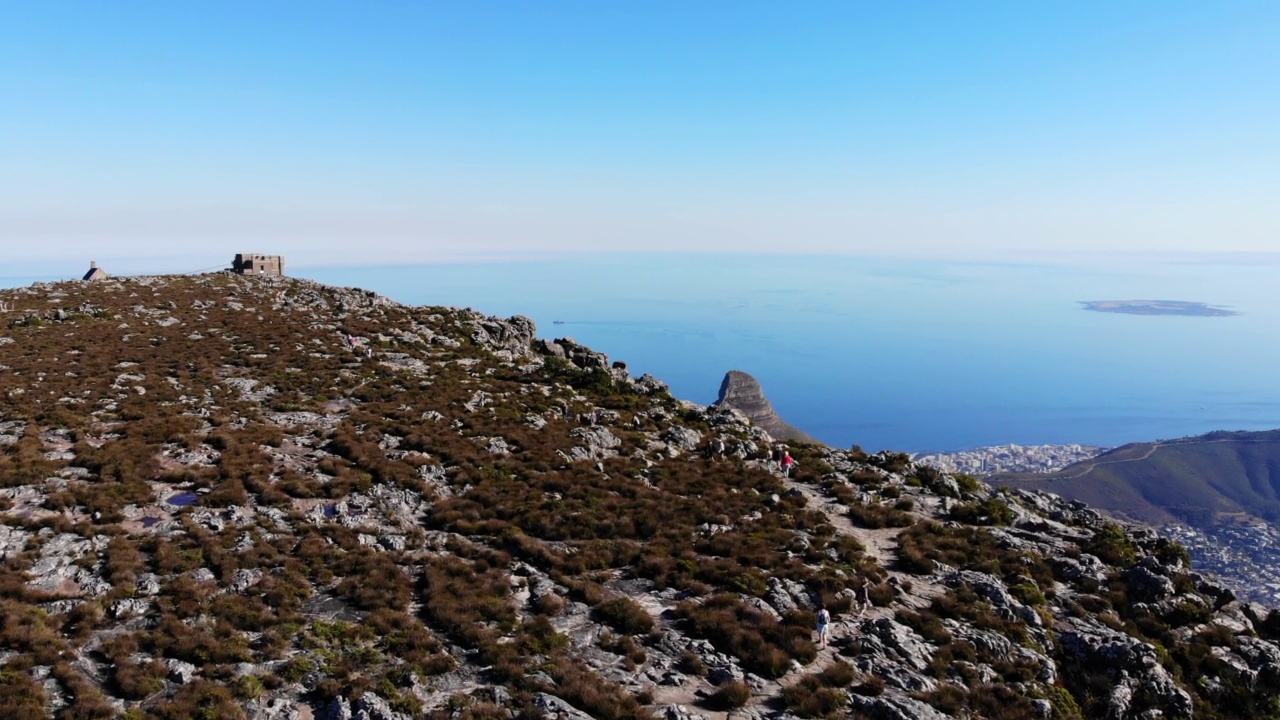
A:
{"x":681,"y":439}
{"x":893,"y":707}
{"x":597,"y":443}
{"x":553,"y":708}
{"x":1145,"y":585}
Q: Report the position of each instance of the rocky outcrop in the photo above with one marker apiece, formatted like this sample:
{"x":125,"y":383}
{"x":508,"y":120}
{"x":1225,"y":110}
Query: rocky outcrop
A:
{"x":742,"y":392}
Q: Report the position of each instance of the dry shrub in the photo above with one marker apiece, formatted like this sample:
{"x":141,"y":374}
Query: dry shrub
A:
{"x":200,"y":699}
{"x":624,"y":615}
{"x":730,"y":695}
{"x":879,"y":516}
{"x":21,"y":698}
{"x":548,"y":604}
{"x":764,"y":645}
{"x":588,"y":692}
{"x":871,"y":687}
{"x":375,"y":581}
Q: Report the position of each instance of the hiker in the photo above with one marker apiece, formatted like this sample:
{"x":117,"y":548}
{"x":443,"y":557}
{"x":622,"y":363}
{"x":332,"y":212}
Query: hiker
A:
{"x":787,"y":463}
{"x":824,"y":625}
{"x":717,"y":448}
{"x":863,"y":597}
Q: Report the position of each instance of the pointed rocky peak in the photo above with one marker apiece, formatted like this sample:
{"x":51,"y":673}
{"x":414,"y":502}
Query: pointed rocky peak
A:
{"x":741,"y":391}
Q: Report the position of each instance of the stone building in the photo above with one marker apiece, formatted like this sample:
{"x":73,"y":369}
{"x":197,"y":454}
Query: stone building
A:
{"x":253,"y":264}
{"x":95,"y":272}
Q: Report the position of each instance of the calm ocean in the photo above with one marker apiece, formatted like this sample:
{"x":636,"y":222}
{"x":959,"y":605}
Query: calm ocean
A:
{"x":903,"y":354}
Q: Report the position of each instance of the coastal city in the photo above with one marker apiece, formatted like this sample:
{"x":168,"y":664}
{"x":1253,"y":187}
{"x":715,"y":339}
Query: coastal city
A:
{"x":1010,"y":458}
{"x":1244,"y":556}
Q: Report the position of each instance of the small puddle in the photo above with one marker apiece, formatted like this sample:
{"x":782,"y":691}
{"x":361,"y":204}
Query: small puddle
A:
{"x":182,"y":499}
{"x":149,"y":521}
{"x":330,"y":511}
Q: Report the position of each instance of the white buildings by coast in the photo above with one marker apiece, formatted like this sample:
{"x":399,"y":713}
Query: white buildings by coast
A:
{"x":1011,"y":458}
{"x":1245,"y":556}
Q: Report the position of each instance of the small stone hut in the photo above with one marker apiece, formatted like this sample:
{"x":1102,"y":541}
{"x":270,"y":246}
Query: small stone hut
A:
{"x":254,"y":264}
{"x":95,"y":272}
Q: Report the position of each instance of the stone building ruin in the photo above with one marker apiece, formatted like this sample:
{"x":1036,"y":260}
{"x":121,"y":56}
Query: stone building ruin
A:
{"x":95,"y":272}
{"x":254,"y":264}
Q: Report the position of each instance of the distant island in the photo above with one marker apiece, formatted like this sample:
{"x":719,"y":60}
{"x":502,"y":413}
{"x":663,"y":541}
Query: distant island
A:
{"x":1157,"y":307}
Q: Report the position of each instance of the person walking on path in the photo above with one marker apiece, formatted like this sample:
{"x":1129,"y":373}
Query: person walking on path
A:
{"x":864,"y":599}
{"x":717,"y":448}
{"x":787,"y":463}
{"x":824,"y":626}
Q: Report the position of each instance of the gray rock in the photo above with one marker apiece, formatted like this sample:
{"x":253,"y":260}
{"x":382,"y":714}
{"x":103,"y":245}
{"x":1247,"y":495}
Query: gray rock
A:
{"x":894,"y":652}
{"x":336,"y":709}
{"x":130,"y":607}
{"x":1145,"y":585}
{"x":244,"y":579}
{"x":649,"y":385}
{"x":514,"y":335}
{"x":12,"y":541}
{"x":994,"y":591}
{"x":278,"y":708}
{"x":1080,"y":569}
{"x":725,"y":673}
{"x":597,"y":443}
{"x":553,"y":708}
{"x":788,"y":596}
{"x":148,"y":584}
{"x":393,"y":542}
{"x":371,"y":706}
{"x":681,"y":439}
{"x":1233,"y":617}
{"x":676,"y":712}
{"x":180,"y":671}
{"x":892,"y":707}
{"x":1091,"y":642}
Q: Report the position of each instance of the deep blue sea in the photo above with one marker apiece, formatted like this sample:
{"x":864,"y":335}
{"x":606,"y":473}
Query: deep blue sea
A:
{"x":909,"y":355}
{"x":906,"y":354}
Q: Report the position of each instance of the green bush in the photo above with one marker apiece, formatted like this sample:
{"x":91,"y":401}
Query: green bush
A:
{"x":991,"y":511}
{"x":1113,"y":545}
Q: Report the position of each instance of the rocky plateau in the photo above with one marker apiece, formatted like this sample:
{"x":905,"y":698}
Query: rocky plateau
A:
{"x":236,"y":497}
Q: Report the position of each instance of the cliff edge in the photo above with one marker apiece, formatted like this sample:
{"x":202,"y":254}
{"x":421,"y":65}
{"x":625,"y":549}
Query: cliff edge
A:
{"x":741,"y":391}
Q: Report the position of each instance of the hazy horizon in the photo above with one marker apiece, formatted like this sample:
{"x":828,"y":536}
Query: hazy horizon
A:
{"x":312,"y":266}
{"x":143,"y":132}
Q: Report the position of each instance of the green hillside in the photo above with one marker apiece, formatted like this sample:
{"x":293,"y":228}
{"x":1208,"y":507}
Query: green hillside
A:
{"x":1197,"y":480}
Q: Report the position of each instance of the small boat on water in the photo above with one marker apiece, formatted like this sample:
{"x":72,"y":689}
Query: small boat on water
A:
{"x":557,"y":322}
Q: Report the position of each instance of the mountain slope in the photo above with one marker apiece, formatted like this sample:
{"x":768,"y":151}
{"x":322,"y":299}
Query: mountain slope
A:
{"x":1192,"y":480}
{"x":232,"y":497}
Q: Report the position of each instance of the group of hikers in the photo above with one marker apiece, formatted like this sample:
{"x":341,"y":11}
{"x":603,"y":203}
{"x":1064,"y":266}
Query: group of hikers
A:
{"x":354,"y":343}
{"x":779,"y":457}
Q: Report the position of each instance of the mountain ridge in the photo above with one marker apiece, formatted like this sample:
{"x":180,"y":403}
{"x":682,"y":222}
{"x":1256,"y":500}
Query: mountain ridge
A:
{"x":1190,"y":480}
{"x":268,"y":498}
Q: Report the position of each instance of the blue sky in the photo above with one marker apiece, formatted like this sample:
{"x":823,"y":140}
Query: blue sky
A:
{"x":179,"y":133}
